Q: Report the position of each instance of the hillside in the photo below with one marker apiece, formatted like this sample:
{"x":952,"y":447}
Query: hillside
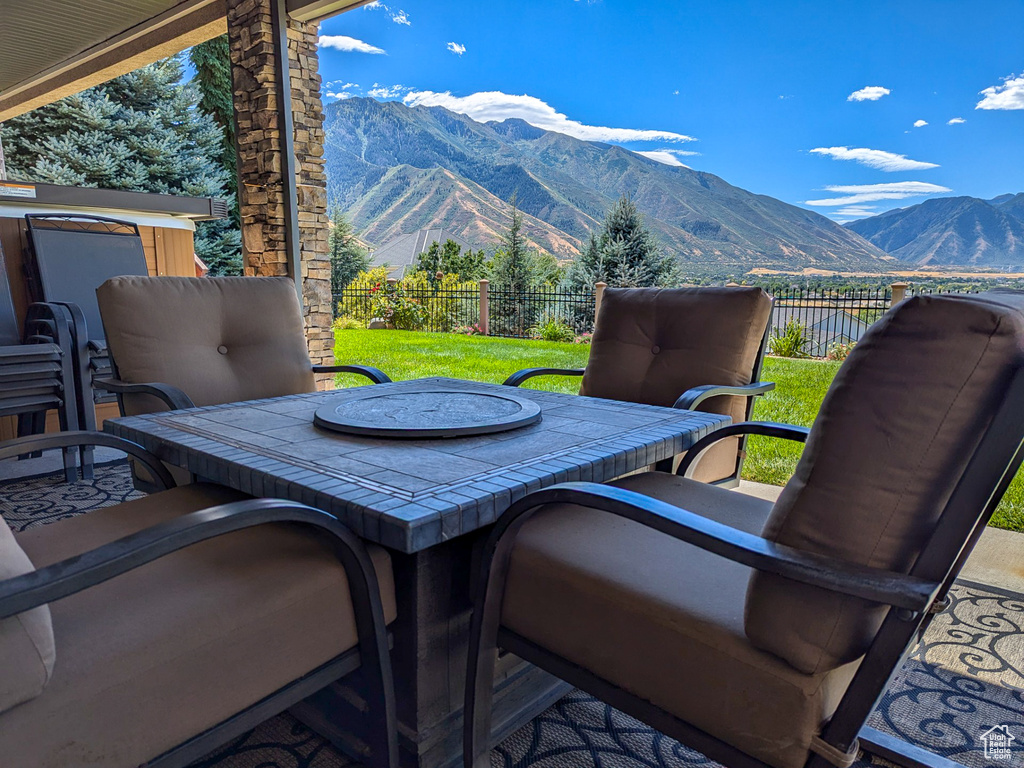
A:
{"x":395,"y":169}
{"x":951,"y":231}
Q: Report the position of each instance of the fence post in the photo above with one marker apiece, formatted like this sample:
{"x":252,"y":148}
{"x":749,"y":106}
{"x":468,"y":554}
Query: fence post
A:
{"x":485,"y":307}
{"x":598,"y":296}
{"x":899,"y":293}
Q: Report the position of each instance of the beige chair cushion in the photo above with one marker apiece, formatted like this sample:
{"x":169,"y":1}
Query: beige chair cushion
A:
{"x":664,"y":620}
{"x":27,"y":650}
{"x":651,"y":345}
{"x":160,"y":654}
{"x":889,"y":444}
{"x":219,"y":339}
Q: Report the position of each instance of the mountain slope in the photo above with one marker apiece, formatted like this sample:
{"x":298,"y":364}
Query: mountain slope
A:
{"x":950,"y":230}
{"x":1012,"y":205}
{"x":564,"y":184}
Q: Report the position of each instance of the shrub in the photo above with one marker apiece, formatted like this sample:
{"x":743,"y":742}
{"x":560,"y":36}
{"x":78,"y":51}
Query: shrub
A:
{"x":469,"y":330}
{"x":347,"y":323}
{"x":554,"y":330}
{"x":840,"y":351}
{"x":791,"y":342}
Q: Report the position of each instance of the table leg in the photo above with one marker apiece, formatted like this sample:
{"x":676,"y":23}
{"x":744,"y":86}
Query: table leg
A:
{"x":431,"y":637}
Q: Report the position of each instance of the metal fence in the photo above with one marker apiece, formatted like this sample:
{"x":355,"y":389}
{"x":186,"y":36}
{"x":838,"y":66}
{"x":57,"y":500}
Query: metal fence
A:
{"x":806,"y":321}
{"x":816,"y":322}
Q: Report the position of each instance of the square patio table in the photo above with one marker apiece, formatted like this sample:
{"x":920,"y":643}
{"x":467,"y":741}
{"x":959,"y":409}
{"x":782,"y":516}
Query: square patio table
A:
{"x":430,"y":502}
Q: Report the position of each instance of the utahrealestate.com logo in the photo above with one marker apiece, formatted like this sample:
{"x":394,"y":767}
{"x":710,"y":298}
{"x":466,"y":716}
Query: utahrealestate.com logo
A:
{"x":998,"y":742}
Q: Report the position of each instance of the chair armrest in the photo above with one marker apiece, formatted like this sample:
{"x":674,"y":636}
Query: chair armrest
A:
{"x":32,"y":443}
{"x":173,"y":397}
{"x":519,"y":377}
{"x":691,"y":398}
{"x":895,"y":589}
{"x":376,"y":375}
{"x":762,"y":428}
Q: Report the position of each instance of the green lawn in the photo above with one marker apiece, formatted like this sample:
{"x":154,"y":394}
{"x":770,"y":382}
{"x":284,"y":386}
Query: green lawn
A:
{"x":801,"y":386}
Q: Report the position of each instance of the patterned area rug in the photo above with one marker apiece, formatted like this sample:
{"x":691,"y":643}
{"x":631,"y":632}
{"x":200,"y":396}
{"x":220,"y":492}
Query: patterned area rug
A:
{"x":964,"y":679}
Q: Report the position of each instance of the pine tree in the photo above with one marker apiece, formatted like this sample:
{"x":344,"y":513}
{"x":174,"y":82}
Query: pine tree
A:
{"x":141,"y":132}
{"x":512,"y":275}
{"x":348,"y":258}
{"x":625,"y":254}
{"x":449,"y":259}
{"x":212,"y":63}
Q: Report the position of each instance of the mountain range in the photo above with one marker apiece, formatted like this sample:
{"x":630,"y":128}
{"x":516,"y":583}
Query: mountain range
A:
{"x":951,"y":231}
{"x":395,"y":169}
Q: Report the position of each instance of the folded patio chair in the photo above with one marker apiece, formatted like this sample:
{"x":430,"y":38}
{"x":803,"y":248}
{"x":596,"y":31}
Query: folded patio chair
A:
{"x":156,"y":630}
{"x":70,"y":256}
{"x":36,"y":376}
{"x":761,"y":634}
{"x":697,"y":348}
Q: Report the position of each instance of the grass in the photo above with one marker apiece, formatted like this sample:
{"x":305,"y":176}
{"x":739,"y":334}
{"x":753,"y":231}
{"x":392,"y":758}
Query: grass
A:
{"x":800,"y":387}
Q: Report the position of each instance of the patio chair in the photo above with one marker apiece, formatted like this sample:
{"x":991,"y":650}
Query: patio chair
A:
{"x":70,"y":256}
{"x":183,"y":342}
{"x":156,"y":630}
{"x":696,"y":348}
{"x":36,"y":376}
{"x":760,"y":634}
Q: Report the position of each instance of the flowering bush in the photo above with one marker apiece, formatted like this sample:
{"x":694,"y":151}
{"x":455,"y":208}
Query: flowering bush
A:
{"x":840,"y":351}
{"x":469,"y":330}
{"x":389,"y":302}
{"x":584,"y":338}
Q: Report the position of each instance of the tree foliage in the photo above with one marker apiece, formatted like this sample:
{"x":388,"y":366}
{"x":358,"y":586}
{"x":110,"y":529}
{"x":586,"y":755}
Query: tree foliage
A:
{"x":625,"y":253}
{"x":212,"y":63}
{"x":449,"y":259}
{"x":348,"y":258}
{"x":141,"y":132}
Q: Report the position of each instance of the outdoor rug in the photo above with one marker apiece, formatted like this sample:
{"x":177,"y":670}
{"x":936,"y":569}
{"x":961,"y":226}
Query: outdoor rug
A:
{"x":964,"y":679}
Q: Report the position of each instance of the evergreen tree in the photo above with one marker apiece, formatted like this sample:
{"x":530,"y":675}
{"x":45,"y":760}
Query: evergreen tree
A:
{"x":624,"y":254}
{"x":513,"y":272}
{"x":348,"y":258}
{"x":212,"y":63}
{"x":140,"y":132}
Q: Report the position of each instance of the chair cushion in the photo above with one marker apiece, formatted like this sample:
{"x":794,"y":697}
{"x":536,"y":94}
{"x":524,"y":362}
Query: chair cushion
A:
{"x":651,"y":345}
{"x":664,"y":620}
{"x":27,"y":649}
{"x":890,"y":443}
{"x":219,"y":339}
{"x":164,"y":652}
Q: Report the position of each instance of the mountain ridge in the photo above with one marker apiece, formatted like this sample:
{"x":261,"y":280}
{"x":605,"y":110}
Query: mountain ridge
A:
{"x":564,"y":185}
{"x":949,"y":231}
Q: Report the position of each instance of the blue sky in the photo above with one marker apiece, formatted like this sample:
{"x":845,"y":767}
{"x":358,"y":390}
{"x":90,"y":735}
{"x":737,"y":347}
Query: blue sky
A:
{"x":784,"y":99}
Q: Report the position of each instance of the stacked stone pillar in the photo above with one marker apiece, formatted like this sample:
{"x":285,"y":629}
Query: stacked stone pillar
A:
{"x":262,"y":186}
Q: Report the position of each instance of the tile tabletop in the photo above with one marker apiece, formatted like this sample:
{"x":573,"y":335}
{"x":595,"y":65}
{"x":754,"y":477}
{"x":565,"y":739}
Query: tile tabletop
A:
{"x":412,"y":494}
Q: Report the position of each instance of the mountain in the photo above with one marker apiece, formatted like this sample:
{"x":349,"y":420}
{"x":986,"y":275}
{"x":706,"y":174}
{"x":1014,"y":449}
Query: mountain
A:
{"x":395,"y":169}
{"x":951,"y":231}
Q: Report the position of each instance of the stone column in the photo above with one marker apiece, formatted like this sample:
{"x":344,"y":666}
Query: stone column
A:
{"x":262,"y":188}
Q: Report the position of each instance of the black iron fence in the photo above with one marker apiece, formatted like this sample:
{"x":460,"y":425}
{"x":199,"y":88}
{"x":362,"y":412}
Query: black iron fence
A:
{"x":807,"y":322}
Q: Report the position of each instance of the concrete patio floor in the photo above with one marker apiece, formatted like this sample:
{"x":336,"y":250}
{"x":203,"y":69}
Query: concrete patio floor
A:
{"x":997,"y":560}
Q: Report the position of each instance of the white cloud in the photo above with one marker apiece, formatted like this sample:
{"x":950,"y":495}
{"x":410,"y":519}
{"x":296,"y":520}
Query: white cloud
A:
{"x":874,"y":158}
{"x":667,"y":156}
{"x":868,"y":193}
{"x":495,"y":105}
{"x":346,"y":43}
{"x":856,"y":211}
{"x":869,"y":93}
{"x":456,"y":48}
{"x":386,"y":91}
{"x":920,"y":123}
{"x":401,"y":18}
{"x":1009,"y":95}
{"x":956,"y":121}
{"x":340,"y":95}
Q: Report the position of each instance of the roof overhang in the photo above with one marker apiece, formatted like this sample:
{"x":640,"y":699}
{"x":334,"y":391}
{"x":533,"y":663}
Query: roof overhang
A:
{"x":55,"y":49}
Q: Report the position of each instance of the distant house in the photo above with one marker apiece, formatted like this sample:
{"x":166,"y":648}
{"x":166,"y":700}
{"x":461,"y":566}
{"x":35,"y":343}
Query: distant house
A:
{"x":825,"y":326}
{"x":400,"y":254}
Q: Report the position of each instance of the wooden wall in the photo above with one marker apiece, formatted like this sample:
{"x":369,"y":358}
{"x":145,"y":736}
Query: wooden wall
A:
{"x":168,"y":252}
